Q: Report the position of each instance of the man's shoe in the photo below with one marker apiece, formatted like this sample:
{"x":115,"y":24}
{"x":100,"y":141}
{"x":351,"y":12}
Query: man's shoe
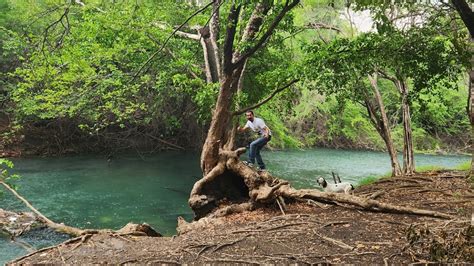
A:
{"x":249,"y":164}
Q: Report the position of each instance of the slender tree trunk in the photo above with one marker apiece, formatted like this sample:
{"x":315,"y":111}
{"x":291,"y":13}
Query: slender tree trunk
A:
{"x":230,"y":145}
{"x":408,"y":157}
{"x":207,"y":64}
{"x":464,"y":10}
{"x":211,"y":62}
{"x":471,"y":108}
{"x":384,"y":129}
{"x":214,"y":36}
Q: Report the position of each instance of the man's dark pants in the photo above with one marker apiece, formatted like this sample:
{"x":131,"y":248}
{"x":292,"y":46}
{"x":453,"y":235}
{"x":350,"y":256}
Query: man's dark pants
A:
{"x":254,"y":151}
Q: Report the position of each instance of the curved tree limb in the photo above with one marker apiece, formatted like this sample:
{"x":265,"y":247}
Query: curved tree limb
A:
{"x":466,"y":14}
{"x":167,"y":40}
{"x":267,"y":34}
{"x":241,"y":111}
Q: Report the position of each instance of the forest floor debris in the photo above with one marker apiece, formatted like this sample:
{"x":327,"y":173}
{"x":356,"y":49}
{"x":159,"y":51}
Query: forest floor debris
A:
{"x":308,"y":233}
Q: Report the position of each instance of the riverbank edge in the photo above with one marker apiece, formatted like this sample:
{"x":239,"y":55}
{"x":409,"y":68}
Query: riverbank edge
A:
{"x":210,"y":226}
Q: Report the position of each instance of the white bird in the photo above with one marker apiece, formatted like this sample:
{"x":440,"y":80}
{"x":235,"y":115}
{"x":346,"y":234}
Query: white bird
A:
{"x":343,"y":187}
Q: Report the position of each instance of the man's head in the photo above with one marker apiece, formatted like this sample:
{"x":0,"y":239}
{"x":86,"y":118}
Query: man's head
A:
{"x":249,"y":115}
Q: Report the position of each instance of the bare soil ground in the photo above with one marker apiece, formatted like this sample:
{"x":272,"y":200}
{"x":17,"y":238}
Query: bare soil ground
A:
{"x":307,"y":233}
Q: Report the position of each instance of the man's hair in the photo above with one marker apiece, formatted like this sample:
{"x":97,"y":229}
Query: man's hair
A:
{"x":250,"y":111}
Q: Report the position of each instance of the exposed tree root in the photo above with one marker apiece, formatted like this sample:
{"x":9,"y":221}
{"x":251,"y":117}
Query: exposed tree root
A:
{"x":232,"y":180}
{"x":365,"y":204}
{"x":334,"y":241}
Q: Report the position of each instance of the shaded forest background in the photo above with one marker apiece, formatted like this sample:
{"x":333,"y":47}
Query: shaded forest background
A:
{"x":74,"y":77}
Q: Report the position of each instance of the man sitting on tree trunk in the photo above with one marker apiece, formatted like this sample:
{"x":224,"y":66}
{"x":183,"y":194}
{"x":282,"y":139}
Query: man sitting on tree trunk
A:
{"x":265,"y":135}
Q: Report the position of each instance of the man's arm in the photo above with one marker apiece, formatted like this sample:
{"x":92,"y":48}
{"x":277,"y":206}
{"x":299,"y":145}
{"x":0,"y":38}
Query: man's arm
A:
{"x":242,"y":129}
{"x":266,"y":131}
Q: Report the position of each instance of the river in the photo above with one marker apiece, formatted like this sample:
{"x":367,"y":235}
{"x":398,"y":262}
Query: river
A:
{"x":93,"y":192}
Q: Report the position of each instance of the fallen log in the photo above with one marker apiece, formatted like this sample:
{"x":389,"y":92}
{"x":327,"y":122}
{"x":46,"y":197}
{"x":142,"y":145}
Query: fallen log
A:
{"x":59,"y":227}
{"x":363,"y":203}
{"x":129,"y":229}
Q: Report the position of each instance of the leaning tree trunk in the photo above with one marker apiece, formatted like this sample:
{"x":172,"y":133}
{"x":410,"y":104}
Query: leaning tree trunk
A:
{"x":383,"y":127}
{"x":221,"y":118}
{"x":470,"y":105}
{"x":252,"y":28}
{"x":218,"y":181}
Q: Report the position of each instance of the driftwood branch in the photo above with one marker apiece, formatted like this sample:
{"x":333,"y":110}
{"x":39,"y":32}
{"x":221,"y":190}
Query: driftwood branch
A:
{"x":241,"y":111}
{"x":43,"y":218}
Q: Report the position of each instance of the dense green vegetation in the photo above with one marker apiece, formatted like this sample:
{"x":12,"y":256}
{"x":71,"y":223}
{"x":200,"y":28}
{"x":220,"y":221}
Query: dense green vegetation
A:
{"x":74,"y":77}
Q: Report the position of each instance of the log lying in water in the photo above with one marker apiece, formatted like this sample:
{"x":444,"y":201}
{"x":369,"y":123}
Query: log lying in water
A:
{"x":16,"y":223}
{"x":129,"y":229}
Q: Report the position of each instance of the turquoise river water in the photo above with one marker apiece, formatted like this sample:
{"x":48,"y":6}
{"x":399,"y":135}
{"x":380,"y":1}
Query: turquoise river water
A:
{"x":91,"y":192}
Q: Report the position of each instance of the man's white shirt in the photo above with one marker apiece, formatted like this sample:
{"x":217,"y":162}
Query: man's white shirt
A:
{"x":257,"y":126}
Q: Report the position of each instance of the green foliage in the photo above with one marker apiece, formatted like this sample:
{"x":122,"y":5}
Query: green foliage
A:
{"x":85,"y":75}
{"x":281,"y":137}
{"x":428,"y":168}
{"x":88,"y":78}
{"x":367,"y":181}
{"x":431,"y":62}
{"x":5,"y":176}
{"x":466,"y":166}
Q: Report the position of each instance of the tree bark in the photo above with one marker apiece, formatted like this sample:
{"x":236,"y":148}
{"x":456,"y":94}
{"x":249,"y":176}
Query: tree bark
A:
{"x":384,"y":127}
{"x":204,"y":195}
{"x":240,"y":184}
{"x":467,"y":16}
{"x":221,"y":117}
{"x":214,"y":36}
{"x":408,"y":156}
{"x":211,"y":63}
{"x":470,"y":107}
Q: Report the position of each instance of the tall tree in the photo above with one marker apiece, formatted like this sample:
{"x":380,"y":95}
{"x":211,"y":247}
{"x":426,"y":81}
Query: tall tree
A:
{"x":467,"y":15}
{"x":232,"y":56}
{"x":417,"y":58}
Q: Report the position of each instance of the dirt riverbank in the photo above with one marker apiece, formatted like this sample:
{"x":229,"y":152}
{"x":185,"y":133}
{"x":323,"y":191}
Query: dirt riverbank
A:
{"x":308,"y":232}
